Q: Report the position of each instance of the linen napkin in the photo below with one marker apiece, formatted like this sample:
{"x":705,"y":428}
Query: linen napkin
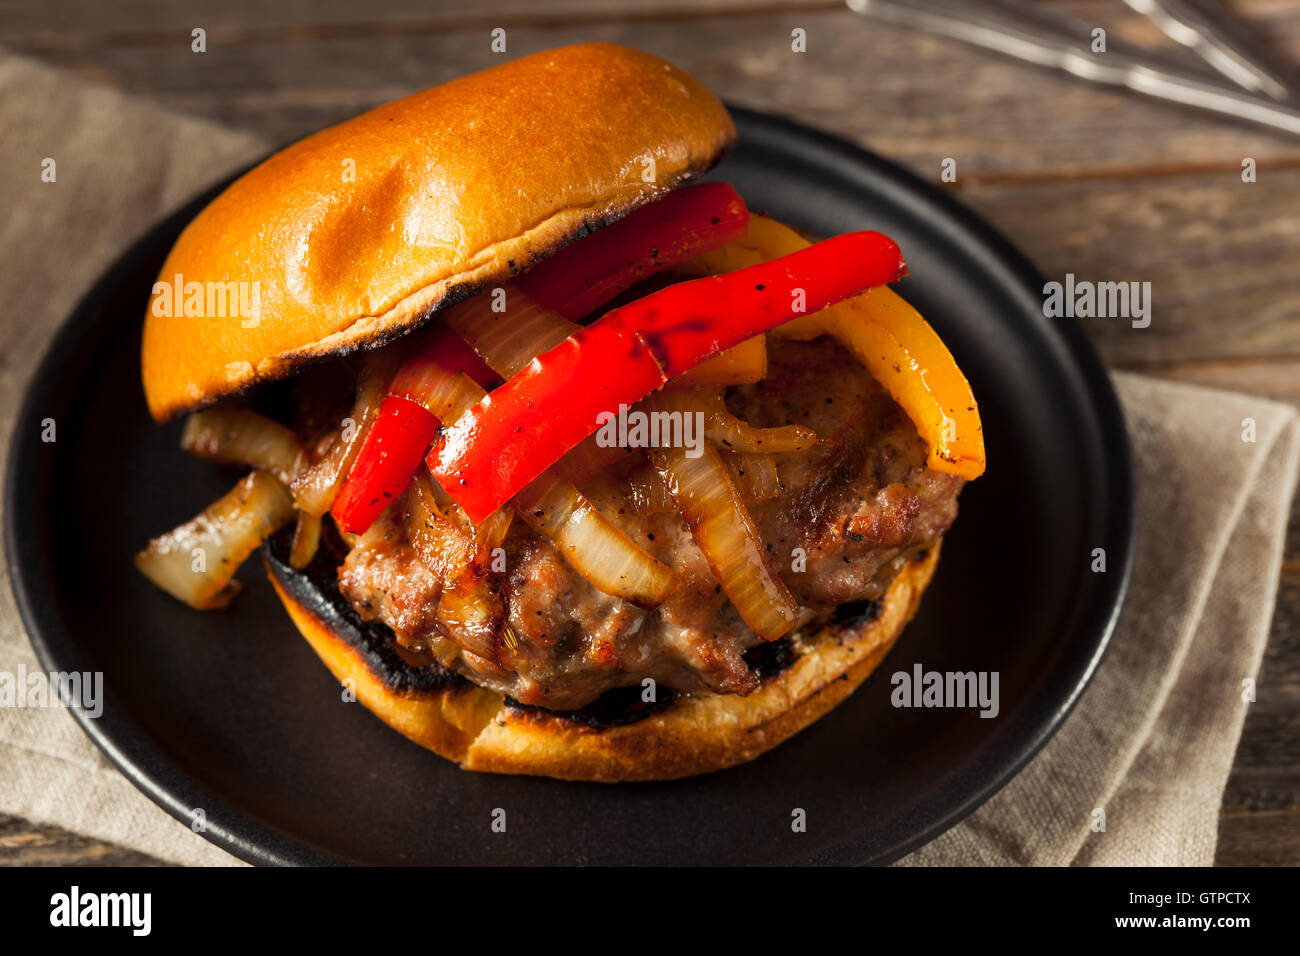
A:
{"x":1150,"y":743}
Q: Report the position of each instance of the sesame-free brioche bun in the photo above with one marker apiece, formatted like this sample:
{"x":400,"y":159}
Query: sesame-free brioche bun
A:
{"x":691,"y":734}
{"x":358,"y":233}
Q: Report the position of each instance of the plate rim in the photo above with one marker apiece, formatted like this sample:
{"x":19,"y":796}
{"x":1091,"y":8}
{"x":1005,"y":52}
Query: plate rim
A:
{"x":251,"y":839}
{"x":1103,"y":400}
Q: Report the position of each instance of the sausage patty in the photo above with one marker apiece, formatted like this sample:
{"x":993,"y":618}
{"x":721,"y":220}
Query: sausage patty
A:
{"x":851,"y":511}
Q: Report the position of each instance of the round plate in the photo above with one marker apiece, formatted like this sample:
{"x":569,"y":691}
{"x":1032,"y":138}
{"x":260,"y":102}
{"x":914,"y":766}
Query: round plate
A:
{"x":231,"y":713}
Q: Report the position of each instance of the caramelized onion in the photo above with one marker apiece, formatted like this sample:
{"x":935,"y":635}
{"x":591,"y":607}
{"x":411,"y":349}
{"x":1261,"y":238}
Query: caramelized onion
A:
{"x":726,"y":534}
{"x":234,"y":435}
{"x":472,"y":612}
{"x":725,"y":429}
{"x":588,"y":458}
{"x":442,"y":547}
{"x":196,"y":561}
{"x":467,"y":604}
{"x":552,"y":506}
{"x":306,"y":539}
{"x":316,"y":487}
{"x":596,"y":548}
{"x":444,"y":502}
{"x":508,"y":340}
{"x":492,"y":530}
{"x":755,"y":475}
{"x":445,"y":392}
{"x":648,"y":492}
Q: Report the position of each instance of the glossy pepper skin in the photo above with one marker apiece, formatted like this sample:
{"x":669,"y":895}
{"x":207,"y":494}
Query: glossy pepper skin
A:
{"x":403,"y":429}
{"x":575,"y":281}
{"x":585,"y":275}
{"x":890,"y":338}
{"x":508,"y":439}
{"x":389,"y":457}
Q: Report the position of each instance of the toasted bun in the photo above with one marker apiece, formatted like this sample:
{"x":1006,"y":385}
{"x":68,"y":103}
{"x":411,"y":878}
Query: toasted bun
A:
{"x":357,"y":233}
{"x":691,"y":735}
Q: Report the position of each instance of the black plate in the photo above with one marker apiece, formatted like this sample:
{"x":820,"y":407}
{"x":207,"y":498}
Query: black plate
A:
{"x":232,"y":713}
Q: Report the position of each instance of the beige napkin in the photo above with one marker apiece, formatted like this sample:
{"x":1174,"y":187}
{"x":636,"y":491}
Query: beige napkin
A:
{"x":1150,"y":744}
{"x":1151,"y":741}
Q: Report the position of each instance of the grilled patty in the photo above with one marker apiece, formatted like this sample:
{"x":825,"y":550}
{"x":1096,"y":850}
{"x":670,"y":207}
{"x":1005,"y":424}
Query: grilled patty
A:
{"x":851,"y":511}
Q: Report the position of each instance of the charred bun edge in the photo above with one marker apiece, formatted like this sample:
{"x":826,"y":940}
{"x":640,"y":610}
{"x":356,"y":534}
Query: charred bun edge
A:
{"x":457,"y":289}
{"x":360,"y":287}
{"x":617,"y":737}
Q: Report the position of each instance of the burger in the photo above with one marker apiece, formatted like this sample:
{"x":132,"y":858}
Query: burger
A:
{"x":563,"y":462}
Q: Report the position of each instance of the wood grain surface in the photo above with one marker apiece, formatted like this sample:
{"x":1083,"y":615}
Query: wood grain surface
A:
{"x":1086,"y":180}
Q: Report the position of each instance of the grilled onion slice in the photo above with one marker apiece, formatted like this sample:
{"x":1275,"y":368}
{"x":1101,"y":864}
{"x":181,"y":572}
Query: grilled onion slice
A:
{"x":445,"y":392}
{"x":234,"y":435}
{"x":448,"y":394}
{"x":726,"y":534}
{"x":509,"y":340}
{"x":306,"y":539}
{"x":491,"y":531}
{"x":596,"y":548}
{"x":588,"y":458}
{"x":755,"y":475}
{"x":725,"y":429}
{"x":466,"y":602}
{"x":648,"y":492}
{"x":442,"y":546}
{"x":552,"y":506}
{"x":195,"y":562}
{"x":316,"y":487}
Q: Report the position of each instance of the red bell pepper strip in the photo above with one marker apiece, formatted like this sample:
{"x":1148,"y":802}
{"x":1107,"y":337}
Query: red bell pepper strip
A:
{"x":392,"y":451}
{"x":585,"y":275}
{"x":406,"y":426}
{"x":526,"y":425}
{"x":450,"y":352}
{"x":574,"y":282}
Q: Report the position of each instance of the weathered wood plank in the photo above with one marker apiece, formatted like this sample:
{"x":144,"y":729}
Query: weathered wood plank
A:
{"x":29,"y":844}
{"x":1259,"y":839}
{"x":1274,"y":377}
{"x":73,"y":23}
{"x":911,"y":96}
{"x":1220,"y":255}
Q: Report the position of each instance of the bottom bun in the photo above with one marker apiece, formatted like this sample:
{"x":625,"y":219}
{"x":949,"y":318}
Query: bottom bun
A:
{"x":682,"y":736}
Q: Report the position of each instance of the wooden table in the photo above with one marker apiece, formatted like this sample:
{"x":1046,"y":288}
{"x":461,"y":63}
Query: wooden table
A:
{"x":1084,"y":180}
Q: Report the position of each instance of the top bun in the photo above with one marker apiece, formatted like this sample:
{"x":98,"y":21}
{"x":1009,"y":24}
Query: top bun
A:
{"x":358,"y":233}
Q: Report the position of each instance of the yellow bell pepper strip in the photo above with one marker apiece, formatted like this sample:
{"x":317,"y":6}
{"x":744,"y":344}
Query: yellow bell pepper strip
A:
{"x":889,"y":337}
{"x":742,"y":364}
